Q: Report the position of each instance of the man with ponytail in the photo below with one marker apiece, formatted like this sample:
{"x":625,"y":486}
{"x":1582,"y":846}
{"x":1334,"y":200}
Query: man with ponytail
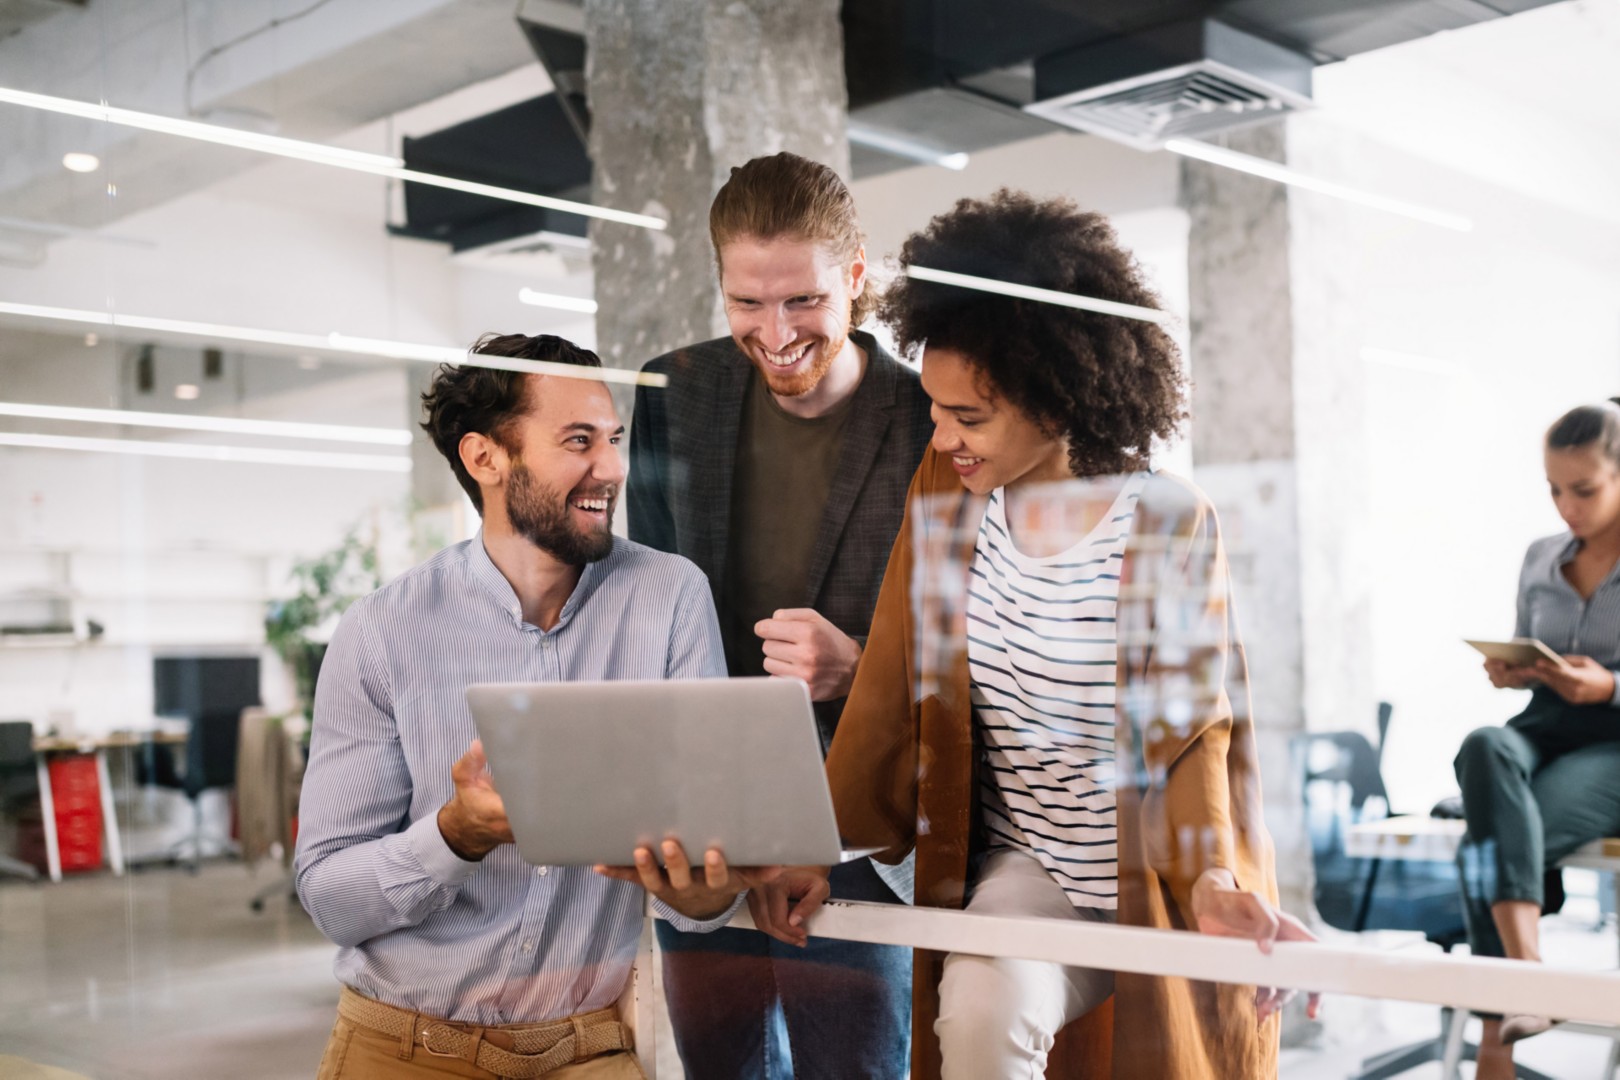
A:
{"x":778,"y":460}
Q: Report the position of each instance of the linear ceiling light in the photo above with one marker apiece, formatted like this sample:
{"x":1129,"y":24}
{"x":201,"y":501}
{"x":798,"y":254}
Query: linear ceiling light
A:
{"x":1271,"y":170}
{"x":561,"y":303}
{"x":900,"y":146}
{"x":284,"y":429}
{"x":1047,"y":296}
{"x":334,"y":343}
{"x":319,"y":153}
{"x":394,"y":463}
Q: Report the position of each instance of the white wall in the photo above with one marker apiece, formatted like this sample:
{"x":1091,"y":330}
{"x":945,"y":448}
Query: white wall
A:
{"x":1499,"y":331}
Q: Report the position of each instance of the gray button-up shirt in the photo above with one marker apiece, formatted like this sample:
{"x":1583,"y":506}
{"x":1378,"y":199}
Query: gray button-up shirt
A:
{"x":497,"y":941}
{"x":1551,"y":610}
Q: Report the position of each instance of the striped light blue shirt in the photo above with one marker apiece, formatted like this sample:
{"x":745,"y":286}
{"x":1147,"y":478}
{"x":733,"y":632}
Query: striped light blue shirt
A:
{"x":497,"y":941}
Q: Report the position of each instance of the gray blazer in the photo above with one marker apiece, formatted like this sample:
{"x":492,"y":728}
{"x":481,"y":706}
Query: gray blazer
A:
{"x":683,"y":448}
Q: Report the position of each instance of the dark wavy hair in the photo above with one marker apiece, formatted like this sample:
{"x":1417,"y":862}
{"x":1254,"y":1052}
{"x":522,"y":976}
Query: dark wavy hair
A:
{"x":464,"y":398}
{"x":1109,"y":384}
{"x":1589,"y":425}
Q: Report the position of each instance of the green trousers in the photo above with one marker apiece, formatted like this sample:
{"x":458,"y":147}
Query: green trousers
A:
{"x":1533,"y":792}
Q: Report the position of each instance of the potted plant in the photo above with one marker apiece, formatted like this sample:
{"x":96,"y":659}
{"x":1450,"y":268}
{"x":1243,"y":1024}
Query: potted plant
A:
{"x":297,"y":627}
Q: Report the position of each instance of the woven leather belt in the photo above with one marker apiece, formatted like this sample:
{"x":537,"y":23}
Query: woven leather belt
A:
{"x":536,"y":1048}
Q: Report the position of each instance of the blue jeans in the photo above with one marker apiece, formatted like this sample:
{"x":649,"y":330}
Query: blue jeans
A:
{"x":745,"y":1006}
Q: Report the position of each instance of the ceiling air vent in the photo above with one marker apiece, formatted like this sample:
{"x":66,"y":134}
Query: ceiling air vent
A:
{"x":1186,"y":81}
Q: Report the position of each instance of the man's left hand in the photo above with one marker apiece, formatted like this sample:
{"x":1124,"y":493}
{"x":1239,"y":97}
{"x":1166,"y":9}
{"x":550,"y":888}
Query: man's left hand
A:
{"x":1579,"y":680}
{"x":701,"y":895}
{"x":800,"y":644}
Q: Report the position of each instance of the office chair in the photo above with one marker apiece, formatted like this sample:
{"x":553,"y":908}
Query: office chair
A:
{"x":210,"y":762}
{"x":19,"y":784}
{"x":1343,"y":785}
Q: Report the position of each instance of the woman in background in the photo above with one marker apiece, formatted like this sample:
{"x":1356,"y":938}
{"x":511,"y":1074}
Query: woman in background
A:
{"x":1548,"y":781}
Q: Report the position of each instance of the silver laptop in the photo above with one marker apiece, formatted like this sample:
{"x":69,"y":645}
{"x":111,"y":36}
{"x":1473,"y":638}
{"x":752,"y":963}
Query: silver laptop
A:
{"x":589,"y":771}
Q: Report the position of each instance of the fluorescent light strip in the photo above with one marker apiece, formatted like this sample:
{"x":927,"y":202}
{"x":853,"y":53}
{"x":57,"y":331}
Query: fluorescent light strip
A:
{"x":1271,"y":170}
{"x":528,"y":198}
{"x":236,"y":425}
{"x":197,"y":451}
{"x":320,"y":154}
{"x":862,"y":135}
{"x":1047,"y":296}
{"x":561,"y":303}
{"x":334,"y":343}
{"x":195,"y":129}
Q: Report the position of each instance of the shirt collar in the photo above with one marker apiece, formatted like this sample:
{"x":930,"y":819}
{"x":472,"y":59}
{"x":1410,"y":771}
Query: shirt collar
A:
{"x":489,"y":576}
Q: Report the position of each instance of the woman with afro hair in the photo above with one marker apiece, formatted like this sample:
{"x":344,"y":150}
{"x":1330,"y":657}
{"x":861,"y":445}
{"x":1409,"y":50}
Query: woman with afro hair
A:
{"x":1052,"y":708}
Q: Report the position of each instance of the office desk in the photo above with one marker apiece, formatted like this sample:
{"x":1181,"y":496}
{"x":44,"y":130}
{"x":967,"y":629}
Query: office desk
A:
{"x":46,"y":745}
{"x":1427,"y":839}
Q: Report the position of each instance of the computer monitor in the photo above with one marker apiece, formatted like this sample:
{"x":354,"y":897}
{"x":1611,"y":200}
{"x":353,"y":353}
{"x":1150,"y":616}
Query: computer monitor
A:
{"x":192,"y":687}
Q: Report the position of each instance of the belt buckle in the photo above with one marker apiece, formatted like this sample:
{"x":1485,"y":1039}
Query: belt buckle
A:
{"x":427,"y":1043}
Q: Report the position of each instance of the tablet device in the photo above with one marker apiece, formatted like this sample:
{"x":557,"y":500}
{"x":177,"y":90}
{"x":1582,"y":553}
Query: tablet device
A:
{"x":1520,"y":651}
{"x":589,"y":771}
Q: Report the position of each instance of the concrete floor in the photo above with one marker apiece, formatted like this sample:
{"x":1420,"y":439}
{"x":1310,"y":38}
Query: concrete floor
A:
{"x":167,"y":976}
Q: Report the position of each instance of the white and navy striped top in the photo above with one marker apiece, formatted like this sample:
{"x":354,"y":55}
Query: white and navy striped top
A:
{"x":1042,"y":658}
{"x":497,"y":941}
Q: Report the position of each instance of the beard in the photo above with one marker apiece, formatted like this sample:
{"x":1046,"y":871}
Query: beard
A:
{"x":541,"y":514}
{"x":802,"y":382}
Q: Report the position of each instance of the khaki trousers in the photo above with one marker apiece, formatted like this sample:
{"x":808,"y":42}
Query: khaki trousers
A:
{"x":357,"y":1052}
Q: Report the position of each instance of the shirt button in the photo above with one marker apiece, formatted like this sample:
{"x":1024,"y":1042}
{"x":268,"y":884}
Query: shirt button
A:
{"x":528,"y":946}
{"x":543,"y":871}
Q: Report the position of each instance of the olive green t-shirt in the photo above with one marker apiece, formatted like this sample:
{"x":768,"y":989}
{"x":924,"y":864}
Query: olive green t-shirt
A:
{"x":784,"y":472}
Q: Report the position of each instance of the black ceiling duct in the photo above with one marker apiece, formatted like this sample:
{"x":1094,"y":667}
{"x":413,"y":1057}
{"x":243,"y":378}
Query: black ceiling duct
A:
{"x":532,"y":146}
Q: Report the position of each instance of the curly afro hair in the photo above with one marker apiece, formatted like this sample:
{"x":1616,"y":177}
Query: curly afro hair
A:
{"x":1110,"y":385}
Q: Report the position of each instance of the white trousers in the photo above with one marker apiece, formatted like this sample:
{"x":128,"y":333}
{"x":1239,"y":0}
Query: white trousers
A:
{"x":998,"y":1017}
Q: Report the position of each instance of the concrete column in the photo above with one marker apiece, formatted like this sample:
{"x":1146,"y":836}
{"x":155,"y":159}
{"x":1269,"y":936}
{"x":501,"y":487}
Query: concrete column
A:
{"x":680,"y":93}
{"x":1276,"y":443}
{"x":438,"y":512}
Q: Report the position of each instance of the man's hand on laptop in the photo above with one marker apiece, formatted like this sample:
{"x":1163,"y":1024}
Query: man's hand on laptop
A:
{"x":473,"y":823}
{"x":781,"y":906}
{"x":700,"y":895}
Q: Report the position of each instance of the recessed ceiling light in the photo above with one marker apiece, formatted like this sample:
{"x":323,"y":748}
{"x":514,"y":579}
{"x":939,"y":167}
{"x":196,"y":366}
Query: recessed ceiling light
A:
{"x":187,"y":391}
{"x":78,"y":161}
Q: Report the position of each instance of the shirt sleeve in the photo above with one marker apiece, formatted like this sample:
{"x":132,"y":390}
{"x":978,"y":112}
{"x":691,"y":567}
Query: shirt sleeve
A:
{"x":693,"y":926}
{"x":695,"y":651}
{"x":363,"y":868}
